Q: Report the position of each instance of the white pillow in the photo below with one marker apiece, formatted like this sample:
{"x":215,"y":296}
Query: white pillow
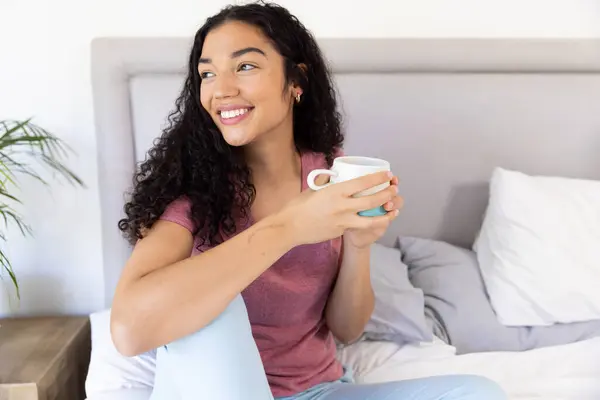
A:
{"x":112,"y":375}
{"x":539,"y":249}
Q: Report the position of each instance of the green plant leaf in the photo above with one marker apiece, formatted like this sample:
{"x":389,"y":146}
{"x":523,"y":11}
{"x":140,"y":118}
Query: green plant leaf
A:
{"x":14,"y":167}
{"x":6,"y":265}
{"x":21,"y":143}
{"x":11,"y":127}
{"x":8,"y":213}
{"x":8,"y":175}
{"x":10,"y":196}
{"x":58,"y":167}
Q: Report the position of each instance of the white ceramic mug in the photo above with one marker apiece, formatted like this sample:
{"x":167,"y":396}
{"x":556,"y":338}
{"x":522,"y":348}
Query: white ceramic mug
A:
{"x":351,"y":167}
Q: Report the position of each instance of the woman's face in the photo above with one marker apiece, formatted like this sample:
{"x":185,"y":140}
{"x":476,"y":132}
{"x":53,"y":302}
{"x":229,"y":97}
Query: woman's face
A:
{"x":243,"y":83}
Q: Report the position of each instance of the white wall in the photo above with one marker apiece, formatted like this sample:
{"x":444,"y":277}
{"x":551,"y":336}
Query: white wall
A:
{"x":45,"y":73}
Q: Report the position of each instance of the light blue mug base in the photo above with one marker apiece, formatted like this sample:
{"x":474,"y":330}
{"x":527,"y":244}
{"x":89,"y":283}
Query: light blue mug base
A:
{"x":373,"y":212}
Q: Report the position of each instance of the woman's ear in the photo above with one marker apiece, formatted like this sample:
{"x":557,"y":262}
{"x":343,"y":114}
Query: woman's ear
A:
{"x":303,"y":68}
{"x":297,"y":94}
{"x":300,"y":74}
{"x":297,"y":89}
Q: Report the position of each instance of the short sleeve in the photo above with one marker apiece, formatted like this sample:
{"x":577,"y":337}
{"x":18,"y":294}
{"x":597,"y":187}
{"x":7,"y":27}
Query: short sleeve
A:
{"x":178,"y":211}
{"x":313,"y":160}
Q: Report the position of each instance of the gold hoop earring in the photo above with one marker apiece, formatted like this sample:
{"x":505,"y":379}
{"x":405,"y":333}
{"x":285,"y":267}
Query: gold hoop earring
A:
{"x":297,"y":97}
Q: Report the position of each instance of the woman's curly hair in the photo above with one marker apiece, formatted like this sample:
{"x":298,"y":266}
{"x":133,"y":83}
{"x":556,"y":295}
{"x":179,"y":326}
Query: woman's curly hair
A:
{"x":191,"y":158}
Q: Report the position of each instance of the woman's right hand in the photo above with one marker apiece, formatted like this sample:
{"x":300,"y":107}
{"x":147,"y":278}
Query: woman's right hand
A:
{"x":317,"y":216}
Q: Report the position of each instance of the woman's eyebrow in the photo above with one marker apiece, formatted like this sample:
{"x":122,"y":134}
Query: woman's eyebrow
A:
{"x":236,"y":53}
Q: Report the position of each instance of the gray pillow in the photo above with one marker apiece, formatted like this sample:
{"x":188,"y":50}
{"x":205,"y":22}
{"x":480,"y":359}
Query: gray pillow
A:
{"x":399,"y":313}
{"x":458,"y":307}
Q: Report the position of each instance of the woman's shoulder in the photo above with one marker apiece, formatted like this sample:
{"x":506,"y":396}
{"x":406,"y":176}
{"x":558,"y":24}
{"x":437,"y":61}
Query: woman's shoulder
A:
{"x":317,"y":160}
{"x":179,"y":212}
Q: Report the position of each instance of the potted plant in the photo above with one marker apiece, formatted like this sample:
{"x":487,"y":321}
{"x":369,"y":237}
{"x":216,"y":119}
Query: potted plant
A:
{"x":22,"y":145}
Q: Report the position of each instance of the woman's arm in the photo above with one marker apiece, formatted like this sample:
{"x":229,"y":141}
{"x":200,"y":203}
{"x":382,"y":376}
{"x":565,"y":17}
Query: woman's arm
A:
{"x":165,"y":294}
{"x":352,"y":301}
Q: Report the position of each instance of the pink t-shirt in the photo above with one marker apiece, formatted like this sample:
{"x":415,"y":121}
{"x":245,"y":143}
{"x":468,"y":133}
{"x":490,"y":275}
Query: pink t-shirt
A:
{"x":286,"y":306}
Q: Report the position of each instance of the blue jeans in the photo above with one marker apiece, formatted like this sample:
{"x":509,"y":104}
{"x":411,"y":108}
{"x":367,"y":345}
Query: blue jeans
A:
{"x":447,"y":387}
{"x":222,"y":362}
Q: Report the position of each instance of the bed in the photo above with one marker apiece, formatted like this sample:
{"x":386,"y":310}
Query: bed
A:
{"x":445,"y":113}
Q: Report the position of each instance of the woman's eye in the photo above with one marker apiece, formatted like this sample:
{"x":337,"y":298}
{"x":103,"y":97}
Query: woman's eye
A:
{"x":246,"y":67}
{"x":204,"y":75}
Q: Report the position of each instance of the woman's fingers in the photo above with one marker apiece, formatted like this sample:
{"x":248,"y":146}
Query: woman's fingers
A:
{"x":357,"y":185}
{"x":395,"y":204}
{"x":371,"y":223}
{"x":375,"y":200}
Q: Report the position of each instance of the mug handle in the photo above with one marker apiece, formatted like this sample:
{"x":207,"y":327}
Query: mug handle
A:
{"x":313,"y":175}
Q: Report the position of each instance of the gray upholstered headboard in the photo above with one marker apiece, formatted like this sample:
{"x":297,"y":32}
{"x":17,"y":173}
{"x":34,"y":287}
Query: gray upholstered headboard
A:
{"x":444,"y":112}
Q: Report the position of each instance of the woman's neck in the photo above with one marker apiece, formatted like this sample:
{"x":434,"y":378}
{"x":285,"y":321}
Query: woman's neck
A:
{"x":272,"y":161}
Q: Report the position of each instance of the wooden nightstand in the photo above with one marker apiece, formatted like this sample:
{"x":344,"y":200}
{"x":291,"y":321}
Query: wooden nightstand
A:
{"x":44,"y":358}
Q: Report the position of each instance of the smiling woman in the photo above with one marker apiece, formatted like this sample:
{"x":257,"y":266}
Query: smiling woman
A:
{"x":245,"y":89}
{"x":249,"y":84}
{"x":241,"y":276}
{"x":234,"y":66}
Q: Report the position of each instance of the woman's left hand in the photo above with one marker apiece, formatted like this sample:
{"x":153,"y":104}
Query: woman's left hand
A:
{"x":365,"y":237}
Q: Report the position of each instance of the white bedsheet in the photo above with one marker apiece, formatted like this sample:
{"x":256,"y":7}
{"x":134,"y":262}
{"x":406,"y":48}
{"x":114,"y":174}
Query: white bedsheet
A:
{"x":566,"y":372}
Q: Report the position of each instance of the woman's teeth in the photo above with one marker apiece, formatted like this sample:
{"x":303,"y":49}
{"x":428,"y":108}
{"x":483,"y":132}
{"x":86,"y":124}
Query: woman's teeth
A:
{"x":233,"y":113}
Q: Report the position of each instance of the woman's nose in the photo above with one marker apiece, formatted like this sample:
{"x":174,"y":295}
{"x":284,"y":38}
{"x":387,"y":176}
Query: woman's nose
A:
{"x":226,"y":86}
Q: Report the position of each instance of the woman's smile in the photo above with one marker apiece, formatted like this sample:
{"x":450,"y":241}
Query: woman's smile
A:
{"x":233,"y":114}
